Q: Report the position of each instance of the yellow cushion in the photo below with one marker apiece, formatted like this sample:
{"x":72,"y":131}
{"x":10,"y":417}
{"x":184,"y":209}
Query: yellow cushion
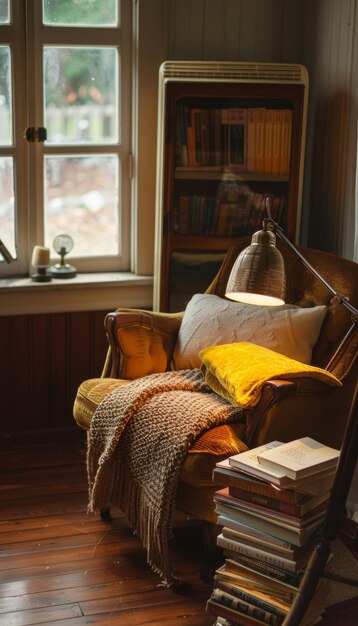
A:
{"x":146,"y":342}
{"x":89,"y":395}
{"x":238,"y":371}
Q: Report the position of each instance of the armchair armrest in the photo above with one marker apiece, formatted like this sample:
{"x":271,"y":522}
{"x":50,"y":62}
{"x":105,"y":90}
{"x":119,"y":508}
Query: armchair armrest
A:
{"x":141,"y":342}
{"x":289,"y":409}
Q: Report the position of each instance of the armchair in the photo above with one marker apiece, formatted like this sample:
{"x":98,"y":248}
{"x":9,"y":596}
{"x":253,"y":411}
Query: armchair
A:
{"x":143,"y":342}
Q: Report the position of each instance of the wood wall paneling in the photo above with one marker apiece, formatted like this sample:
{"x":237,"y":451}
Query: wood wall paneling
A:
{"x":44,"y":360}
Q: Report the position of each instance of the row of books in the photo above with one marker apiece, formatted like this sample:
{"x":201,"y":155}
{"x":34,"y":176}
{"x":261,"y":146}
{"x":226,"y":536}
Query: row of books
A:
{"x":241,"y":139}
{"x":216,"y":215}
{"x":270,"y":512}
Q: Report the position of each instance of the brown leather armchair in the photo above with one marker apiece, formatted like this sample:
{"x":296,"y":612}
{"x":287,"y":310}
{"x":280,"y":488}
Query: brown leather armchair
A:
{"x":142,"y":342}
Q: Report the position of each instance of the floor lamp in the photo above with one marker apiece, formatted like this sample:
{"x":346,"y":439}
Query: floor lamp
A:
{"x":258,"y":277}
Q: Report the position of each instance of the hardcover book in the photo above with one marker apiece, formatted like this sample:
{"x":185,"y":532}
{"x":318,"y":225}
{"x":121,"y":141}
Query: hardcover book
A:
{"x":220,"y":609}
{"x":226,"y":474}
{"x":238,"y":604}
{"x":248,"y":462}
{"x":265,"y":542}
{"x":254,"y":552}
{"x":261,"y":600}
{"x":298,"y":521}
{"x":294,"y":535}
{"x":256,"y":583}
{"x":299,"y":458}
{"x":307,"y":504}
{"x":236,"y":525}
{"x":276,"y":579}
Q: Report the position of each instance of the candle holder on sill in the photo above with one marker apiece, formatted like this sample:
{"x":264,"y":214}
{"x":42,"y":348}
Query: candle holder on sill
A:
{"x":41,"y":261}
{"x":63,"y":244}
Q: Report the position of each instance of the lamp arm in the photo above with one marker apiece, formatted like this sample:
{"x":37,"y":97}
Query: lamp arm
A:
{"x":270,"y":224}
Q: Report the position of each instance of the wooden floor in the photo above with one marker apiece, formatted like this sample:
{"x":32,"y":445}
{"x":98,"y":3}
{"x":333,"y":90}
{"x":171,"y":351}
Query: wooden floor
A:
{"x":64,"y":567}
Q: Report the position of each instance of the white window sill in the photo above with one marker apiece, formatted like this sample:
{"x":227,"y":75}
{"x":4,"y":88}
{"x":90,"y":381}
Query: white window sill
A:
{"x":85,"y":292}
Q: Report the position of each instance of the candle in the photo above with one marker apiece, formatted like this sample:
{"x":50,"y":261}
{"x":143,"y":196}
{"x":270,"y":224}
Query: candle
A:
{"x":40,"y":256}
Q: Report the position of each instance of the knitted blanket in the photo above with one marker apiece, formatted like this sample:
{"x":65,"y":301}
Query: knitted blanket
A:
{"x":140,"y":435}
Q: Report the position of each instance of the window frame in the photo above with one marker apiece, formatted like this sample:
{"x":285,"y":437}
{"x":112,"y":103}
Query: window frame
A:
{"x":27,"y":39}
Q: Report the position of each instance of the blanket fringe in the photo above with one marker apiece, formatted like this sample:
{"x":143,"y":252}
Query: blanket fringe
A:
{"x":119,"y":489}
{"x":139,"y":437}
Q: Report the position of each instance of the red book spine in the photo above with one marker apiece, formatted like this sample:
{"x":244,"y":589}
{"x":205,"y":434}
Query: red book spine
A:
{"x":271,"y":503}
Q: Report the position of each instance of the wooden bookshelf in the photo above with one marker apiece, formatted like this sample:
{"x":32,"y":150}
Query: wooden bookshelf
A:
{"x":229,"y":135}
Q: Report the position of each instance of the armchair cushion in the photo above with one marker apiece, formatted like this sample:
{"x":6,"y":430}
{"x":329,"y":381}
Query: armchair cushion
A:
{"x":141,"y":342}
{"x":210,"y":320}
{"x":89,"y":395}
{"x":238,"y":371}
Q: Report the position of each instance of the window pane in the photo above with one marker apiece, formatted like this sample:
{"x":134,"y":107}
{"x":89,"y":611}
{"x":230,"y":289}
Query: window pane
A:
{"x":80,"y":12}
{"x":7,"y":204}
{"x":81,"y":199}
{"x":5,"y":97}
{"x":81,"y":95}
{"x":4,"y":12}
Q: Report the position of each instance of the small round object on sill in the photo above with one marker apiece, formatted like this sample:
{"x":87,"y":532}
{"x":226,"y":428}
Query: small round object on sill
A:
{"x":63,"y":244}
{"x":63,"y":271}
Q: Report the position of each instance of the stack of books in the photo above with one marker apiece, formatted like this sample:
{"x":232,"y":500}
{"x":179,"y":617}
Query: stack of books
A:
{"x":270,"y":513}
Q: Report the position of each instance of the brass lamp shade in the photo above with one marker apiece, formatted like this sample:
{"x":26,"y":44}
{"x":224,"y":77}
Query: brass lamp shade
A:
{"x":258,"y":274}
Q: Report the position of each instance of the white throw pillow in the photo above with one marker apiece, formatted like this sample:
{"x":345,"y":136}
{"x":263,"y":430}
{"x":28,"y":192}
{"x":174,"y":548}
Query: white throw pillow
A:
{"x":210,"y":321}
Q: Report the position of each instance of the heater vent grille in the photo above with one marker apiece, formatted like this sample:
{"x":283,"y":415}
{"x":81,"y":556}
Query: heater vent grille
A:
{"x":227,"y":71}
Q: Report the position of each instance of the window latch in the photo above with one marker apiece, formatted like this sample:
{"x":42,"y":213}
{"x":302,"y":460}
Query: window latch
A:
{"x":33,"y":134}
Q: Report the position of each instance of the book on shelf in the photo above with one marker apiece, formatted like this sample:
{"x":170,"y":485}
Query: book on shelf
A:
{"x":276,"y":141}
{"x":285,"y":141}
{"x":295,"y":535}
{"x":204,"y":137}
{"x":268,"y":141}
{"x":248,"y":462}
{"x":251,"y":140}
{"x":255,"y":140}
{"x":259,"y":138}
{"x":234,"y":211}
{"x":304,"y":457}
{"x":295,"y":521}
{"x":238,"y":139}
{"x":224,"y":137}
{"x":190,"y":138}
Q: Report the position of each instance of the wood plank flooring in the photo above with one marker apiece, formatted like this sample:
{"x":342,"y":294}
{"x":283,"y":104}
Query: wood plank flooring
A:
{"x":64,"y":567}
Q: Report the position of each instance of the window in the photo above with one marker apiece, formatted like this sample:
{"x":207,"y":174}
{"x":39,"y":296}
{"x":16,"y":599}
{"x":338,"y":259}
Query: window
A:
{"x":64,"y":147}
